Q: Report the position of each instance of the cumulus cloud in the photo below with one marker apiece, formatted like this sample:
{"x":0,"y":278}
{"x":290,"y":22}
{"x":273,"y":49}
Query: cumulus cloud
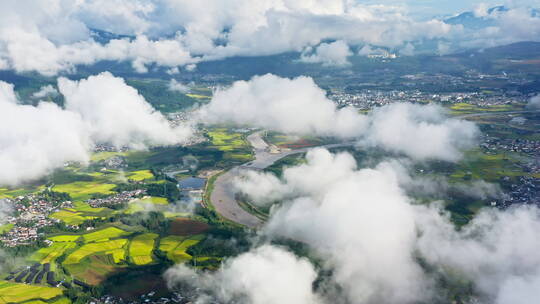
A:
{"x":100,"y":109}
{"x":289,"y":105}
{"x":371,"y":234}
{"x":534,"y":103}
{"x":178,"y":87}
{"x":34,"y":35}
{"x":299,"y":106}
{"x":329,"y":54}
{"x":246,"y":278}
{"x":37,"y":139}
{"x":45,"y":91}
{"x":117,"y":114}
{"x":420,"y":131}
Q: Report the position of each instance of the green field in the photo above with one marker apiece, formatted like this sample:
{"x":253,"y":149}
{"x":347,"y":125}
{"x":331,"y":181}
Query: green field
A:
{"x":113,"y":247}
{"x":80,"y":191}
{"x":19,"y":293}
{"x":11,"y":193}
{"x":140,"y":175}
{"x":80,"y":213}
{"x":6,"y":228}
{"x":141,"y":247}
{"x":51,"y":253}
{"x":176,"y":246}
{"x":462,"y":108}
{"x":64,"y":238}
{"x":104,"y":234}
{"x":70,"y":217}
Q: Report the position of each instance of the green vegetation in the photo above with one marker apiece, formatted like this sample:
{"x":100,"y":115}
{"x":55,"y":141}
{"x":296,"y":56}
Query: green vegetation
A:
{"x":176,"y":246}
{"x":80,"y":213}
{"x":140,"y":175}
{"x":18,"y":293}
{"x":141,"y":247}
{"x":6,"y":228}
{"x":104,"y":234}
{"x":51,"y":253}
{"x":156,"y":92}
{"x":113,"y":247}
{"x":81,"y":191}
{"x":462,"y":108}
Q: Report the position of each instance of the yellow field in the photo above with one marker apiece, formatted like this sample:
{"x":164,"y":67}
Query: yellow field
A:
{"x":107,"y":233}
{"x":17,"y":293}
{"x":51,"y":253}
{"x":198,"y":96}
{"x":225,"y":140}
{"x":140,"y":249}
{"x":70,"y":217}
{"x":64,"y":238}
{"x":176,"y":246}
{"x":80,"y":191}
{"x":140,"y":175}
{"x":108,"y":247}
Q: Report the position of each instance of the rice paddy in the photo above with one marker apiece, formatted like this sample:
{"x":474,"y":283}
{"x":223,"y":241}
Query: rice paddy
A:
{"x":18,"y":293}
{"x":141,"y":247}
{"x":51,"y":253}
{"x":140,"y":175}
{"x":83,"y":190}
{"x":104,"y":234}
{"x":176,"y":246}
{"x":113,"y":247}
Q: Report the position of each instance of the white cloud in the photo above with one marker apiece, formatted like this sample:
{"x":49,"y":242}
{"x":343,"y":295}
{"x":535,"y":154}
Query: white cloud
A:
{"x":102,"y":108}
{"x":289,"y":105}
{"x":370,"y":234}
{"x":300,"y":106}
{"x":329,"y":54}
{"x":178,"y":87}
{"x":265,"y":275}
{"x":37,"y":139}
{"x":422,"y":132}
{"x":534,"y":103}
{"x":117,"y":114}
{"x":45,"y":91}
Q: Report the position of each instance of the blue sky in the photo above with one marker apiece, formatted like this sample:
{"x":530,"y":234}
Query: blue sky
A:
{"x":429,"y":8}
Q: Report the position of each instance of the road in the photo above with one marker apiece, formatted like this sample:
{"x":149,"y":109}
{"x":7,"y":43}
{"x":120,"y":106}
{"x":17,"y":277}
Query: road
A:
{"x":223,"y":195}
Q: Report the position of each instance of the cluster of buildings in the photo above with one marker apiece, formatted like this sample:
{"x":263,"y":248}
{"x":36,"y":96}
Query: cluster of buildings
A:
{"x":525,"y":146}
{"x":29,"y":213}
{"x":120,"y":198}
{"x":369,"y":98}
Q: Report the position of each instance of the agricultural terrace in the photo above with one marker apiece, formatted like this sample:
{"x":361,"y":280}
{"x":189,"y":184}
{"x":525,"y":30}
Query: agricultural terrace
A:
{"x":140,"y":175}
{"x":19,"y":293}
{"x":94,"y":269}
{"x":176,"y":247}
{"x":141,"y":247}
{"x":115,"y":248}
{"x":80,"y":213}
{"x":51,"y":253}
{"x":15,"y":192}
{"x":104,"y":234}
{"x":233,"y":144}
{"x":146,"y":204}
{"x":81,"y":191}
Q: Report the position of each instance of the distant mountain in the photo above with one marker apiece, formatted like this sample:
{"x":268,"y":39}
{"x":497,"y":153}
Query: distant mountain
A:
{"x":104,"y":36}
{"x":471,"y":21}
